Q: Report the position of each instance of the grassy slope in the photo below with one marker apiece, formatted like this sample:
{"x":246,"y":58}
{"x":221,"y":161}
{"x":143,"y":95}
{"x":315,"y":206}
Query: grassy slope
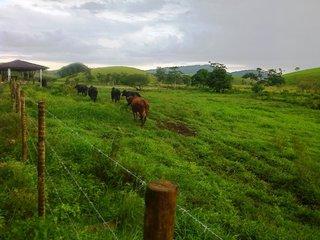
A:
{"x":252,"y":171}
{"x":304,"y":75}
{"x":116,"y":69}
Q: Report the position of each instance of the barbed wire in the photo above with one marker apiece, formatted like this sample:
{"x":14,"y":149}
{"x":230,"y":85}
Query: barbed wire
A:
{"x":56,"y":190}
{"x":63,"y":165}
{"x":180,"y":208}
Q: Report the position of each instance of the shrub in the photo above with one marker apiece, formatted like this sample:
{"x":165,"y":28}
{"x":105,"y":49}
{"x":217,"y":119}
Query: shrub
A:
{"x":219,"y":80}
{"x":257,"y":88}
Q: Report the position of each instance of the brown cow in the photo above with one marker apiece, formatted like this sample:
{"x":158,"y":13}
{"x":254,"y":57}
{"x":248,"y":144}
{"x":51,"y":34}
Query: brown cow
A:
{"x":139,"y":106}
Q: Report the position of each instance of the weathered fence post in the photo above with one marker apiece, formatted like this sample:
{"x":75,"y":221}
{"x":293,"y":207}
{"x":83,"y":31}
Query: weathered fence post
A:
{"x":41,"y":159}
{"x":23,"y":119}
{"x":17,"y":94}
{"x":13,"y":94}
{"x":160,"y":210}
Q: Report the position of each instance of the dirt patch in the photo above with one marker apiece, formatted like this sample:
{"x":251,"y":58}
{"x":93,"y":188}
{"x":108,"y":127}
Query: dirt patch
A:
{"x":177,"y":127}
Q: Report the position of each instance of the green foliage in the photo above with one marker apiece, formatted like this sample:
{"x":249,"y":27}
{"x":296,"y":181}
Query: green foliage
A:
{"x":250,"y":76}
{"x":219,"y":80}
{"x":275,"y":78}
{"x":310,"y":86}
{"x":257,"y":88}
{"x":200,"y":78}
{"x":136,"y":80}
{"x":73,"y":68}
{"x":161,"y":74}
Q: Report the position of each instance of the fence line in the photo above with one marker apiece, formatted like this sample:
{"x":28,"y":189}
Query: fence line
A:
{"x":62,"y":164}
{"x":180,"y":208}
{"x":59,"y":197}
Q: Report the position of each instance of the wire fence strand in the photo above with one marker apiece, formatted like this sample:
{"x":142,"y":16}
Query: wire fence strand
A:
{"x":180,"y":208}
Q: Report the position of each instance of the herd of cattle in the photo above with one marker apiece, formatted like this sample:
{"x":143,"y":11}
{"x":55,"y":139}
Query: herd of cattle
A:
{"x":139,"y":106}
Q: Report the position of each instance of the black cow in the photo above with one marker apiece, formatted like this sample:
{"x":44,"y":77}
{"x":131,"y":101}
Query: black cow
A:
{"x":93,"y":93}
{"x":128,"y":94}
{"x":83,"y":89}
{"x":115,"y":94}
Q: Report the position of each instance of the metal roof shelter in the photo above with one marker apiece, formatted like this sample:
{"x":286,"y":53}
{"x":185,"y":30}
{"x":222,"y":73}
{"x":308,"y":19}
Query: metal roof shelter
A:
{"x":21,"y":66}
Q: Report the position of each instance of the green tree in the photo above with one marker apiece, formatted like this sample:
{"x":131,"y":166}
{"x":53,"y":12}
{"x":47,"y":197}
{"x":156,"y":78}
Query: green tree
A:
{"x":275,"y":78}
{"x":161,"y":74}
{"x":174,"y":76}
{"x":136,"y":80}
{"x":251,"y":76}
{"x":219,"y":80}
{"x":200,"y":78}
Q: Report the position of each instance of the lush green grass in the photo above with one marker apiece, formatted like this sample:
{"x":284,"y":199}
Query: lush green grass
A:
{"x":312,"y":74}
{"x":250,"y":172}
{"x":116,"y":69}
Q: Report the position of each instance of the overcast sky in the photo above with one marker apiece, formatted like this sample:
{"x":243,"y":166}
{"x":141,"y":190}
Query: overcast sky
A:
{"x":148,"y":33}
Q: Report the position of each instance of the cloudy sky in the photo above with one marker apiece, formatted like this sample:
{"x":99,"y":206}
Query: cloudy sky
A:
{"x":149,"y":33}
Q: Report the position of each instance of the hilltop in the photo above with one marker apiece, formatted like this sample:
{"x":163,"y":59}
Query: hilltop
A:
{"x":312,"y":74}
{"x":116,"y":69}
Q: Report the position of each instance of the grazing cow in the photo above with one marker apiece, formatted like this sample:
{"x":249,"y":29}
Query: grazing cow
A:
{"x":93,"y":93}
{"x":115,"y":95}
{"x":128,"y":94}
{"x":139,"y":106}
{"x":83,"y":89}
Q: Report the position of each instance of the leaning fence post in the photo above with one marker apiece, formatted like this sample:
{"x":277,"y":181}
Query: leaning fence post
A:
{"x":41,"y":159}
{"x":23,"y":119}
{"x":160,"y":200}
{"x":17,"y":94}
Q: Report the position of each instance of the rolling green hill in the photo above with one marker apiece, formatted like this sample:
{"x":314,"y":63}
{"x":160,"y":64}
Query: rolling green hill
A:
{"x":116,"y":69}
{"x":311,"y":74}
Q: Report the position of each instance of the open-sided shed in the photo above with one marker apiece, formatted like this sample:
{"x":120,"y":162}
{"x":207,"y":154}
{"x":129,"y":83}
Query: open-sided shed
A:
{"x":20,"y":66}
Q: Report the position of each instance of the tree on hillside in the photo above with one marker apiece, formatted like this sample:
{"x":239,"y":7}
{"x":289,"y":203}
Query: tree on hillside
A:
{"x":251,"y":76}
{"x":174,"y":76}
{"x":73,"y":68}
{"x":161,"y":74}
{"x":275,"y":77}
{"x":297,"y":68}
{"x":259,"y":70}
{"x":219,"y":80}
{"x":136,"y":80}
{"x":200,"y":78}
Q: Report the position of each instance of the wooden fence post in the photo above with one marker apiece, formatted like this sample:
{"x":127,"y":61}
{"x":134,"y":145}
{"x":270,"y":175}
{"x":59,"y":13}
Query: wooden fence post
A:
{"x":23,"y":120}
{"x":13,"y":94}
{"x":160,"y":210}
{"x":41,"y":159}
{"x":17,"y":93}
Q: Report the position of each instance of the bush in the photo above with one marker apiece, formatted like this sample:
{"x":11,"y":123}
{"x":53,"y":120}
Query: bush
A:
{"x":257,"y":88}
{"x":219,"y":80}
{"x":136,"y":80}
{"x":312,"y":86}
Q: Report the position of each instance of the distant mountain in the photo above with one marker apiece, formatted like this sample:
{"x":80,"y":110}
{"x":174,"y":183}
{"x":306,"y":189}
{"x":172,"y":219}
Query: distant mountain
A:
{"x":243,"y":72}
{"x":189,"y":70}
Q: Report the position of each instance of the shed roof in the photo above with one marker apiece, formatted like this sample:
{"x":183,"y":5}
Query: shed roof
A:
{"x":19,"y":65}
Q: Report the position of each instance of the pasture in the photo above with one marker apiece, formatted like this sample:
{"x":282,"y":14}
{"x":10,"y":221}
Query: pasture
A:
{"x":246,"y":166}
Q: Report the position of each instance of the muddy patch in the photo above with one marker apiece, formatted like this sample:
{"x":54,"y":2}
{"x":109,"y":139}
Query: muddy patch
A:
{"x":177,"y":127}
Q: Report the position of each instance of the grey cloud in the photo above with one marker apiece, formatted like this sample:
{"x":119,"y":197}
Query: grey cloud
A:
{"x":250,"y":32}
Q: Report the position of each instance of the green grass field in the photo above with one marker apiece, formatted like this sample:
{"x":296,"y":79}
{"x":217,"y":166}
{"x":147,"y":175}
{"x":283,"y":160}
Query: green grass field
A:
{"x":312,"y":74}
{"x":116,"y":69}
{"x":245,"y":166}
